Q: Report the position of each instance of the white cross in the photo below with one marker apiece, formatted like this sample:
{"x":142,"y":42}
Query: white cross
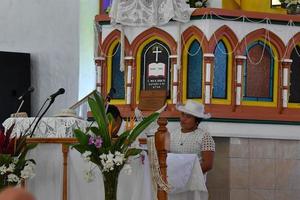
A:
{"x":156,"y":51}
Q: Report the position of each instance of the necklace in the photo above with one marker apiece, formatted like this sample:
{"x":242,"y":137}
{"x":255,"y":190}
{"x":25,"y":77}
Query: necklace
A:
{"x":183,"y":137}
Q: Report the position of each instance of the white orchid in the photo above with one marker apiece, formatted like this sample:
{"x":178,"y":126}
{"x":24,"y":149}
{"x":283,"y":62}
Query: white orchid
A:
{"x":28,"y":171}
{"x":3,"y":169}
{"x":11,"y":167}
{"x":12,"y":178}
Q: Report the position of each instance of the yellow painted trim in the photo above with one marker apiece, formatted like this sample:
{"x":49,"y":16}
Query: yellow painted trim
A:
{"x":226,"y":101}
{"x":138,"y":69}
{"x":184,"y":70}
{"x":109,"y":71}
{"x":293,"y":105}
{"x":275,"y":80}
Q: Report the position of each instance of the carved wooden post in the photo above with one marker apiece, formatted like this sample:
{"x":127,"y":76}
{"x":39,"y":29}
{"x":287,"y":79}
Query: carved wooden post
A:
{"x":65,"y":151}
{"x":162,"y":144}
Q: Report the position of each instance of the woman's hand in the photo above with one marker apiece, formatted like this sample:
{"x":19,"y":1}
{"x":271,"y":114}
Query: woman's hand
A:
{"x":207,"y":160}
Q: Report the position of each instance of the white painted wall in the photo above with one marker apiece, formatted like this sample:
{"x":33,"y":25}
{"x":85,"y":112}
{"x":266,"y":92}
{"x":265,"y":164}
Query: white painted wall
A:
{"x":50,"y":32}
{"x":87,"y":71}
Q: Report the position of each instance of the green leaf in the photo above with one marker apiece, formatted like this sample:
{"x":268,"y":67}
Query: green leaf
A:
{"x":141,"y":127}
{"x":98,"y":110}
{"x":121,"y":141}
{"x":81,"y":136}
{"x":79,"y":147}
{"x":132,"y":152}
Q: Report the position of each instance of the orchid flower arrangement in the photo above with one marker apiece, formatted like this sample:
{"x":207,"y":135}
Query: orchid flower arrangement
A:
{"x":14,"y":167}
{"x":110,"y":155}
{"x":288,"y":3}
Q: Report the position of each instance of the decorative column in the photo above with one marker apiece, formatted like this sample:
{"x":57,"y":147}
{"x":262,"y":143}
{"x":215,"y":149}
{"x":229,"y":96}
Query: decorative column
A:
{"x":99,"y":63}
{"x":162,"y":144}
{"x":286,"y":64}
{"x":129,"y":62}
{"x":208,"y":63}
{"x":239,"y":60}
{"x":175,"y":78}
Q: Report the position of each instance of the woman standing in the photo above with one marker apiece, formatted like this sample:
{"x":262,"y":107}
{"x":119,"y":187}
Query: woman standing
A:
{"x":192,"y":138}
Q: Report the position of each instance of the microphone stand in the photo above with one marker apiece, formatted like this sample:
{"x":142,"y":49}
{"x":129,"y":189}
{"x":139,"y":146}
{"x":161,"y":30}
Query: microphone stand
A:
{"x":35,"y":118}
{"x":20,"y":106}
{"x":39,"y":119}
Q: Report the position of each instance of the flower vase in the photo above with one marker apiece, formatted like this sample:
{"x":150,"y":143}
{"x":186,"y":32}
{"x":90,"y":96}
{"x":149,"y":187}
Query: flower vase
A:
{"x":110,"y":181}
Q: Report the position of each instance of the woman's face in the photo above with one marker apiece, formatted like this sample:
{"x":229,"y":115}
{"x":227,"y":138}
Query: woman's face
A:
{"x":188,"y":122}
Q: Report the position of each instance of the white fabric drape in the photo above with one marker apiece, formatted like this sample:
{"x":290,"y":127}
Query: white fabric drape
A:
{"x":149,"y":12}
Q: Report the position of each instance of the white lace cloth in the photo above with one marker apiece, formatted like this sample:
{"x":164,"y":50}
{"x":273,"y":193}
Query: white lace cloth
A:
{"x":149,"y":12}
{"x":49,"y":127}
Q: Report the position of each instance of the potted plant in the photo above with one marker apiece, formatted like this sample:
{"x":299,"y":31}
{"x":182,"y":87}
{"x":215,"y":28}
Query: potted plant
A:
{"x":14,"y":167}
{"x":109,"y":154}
{"x":292,"y":6}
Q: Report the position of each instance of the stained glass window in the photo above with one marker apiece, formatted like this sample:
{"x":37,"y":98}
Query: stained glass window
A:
{"x":194,"y":71}
{"x":117,"y":77}
{"x":220,"y":71}
{"x":259,"y":73}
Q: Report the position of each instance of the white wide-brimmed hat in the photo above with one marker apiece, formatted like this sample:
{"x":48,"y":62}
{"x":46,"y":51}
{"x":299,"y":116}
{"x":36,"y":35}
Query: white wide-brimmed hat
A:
{"x":193,"y":108}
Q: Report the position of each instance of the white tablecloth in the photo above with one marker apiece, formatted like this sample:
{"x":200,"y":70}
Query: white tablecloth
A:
{"x":49,"y":127}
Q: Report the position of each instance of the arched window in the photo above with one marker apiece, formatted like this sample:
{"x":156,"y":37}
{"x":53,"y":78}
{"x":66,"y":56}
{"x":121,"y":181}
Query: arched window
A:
{"x":155,"y":73}
{"x":194,"y":71}
{"x":220,"y":71}
{"x":259,"y":73}
{"x":115,"y":76}
{"x":295,"y":74}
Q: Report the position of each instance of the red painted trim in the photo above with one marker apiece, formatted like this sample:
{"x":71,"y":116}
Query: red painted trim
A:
{"x":261,"y":33}
{"x":223,"y":31}
{"x":151,"y":32}
{"x":291,"y":45}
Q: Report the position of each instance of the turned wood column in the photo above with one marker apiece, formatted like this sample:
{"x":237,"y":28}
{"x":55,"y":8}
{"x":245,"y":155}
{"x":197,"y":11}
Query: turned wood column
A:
{"x":65,"y":151}
{"x":208,"y":83}
{"x":239,"y":60}
{"x":99,"y":64}
{"x":285,"y":84}
{"x":129,"y":63}
{"x":162,"y":144}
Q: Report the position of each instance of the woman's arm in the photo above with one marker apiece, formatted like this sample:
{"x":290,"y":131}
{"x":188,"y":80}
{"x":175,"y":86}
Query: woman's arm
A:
{"x":207,"y":160}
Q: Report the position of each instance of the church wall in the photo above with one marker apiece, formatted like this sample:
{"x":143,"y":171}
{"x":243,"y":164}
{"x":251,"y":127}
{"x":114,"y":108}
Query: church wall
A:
{"x":48,"y":30}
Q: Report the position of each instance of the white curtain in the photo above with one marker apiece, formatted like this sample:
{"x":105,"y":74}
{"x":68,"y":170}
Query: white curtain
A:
{"x":149,"y":12}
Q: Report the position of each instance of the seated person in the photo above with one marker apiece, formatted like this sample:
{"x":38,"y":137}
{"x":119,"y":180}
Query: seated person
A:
{"x":11,"y":193}
{"x":114,"y":111}
{"x":193,"y":139}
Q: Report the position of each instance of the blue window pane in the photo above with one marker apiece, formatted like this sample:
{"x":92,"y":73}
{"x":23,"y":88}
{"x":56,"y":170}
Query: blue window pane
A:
{"x":194,"y":71}
{"x":220,"y":72}
{"x":117,"y":76}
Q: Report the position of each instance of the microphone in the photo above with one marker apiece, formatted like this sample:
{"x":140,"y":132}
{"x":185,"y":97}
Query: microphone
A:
{"x":59,"y":92}
{"x":29,"y":90}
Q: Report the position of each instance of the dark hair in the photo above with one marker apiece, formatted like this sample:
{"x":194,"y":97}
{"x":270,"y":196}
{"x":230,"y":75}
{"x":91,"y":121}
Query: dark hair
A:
{"x":198,"y":120}
{"x":114,"y":111}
